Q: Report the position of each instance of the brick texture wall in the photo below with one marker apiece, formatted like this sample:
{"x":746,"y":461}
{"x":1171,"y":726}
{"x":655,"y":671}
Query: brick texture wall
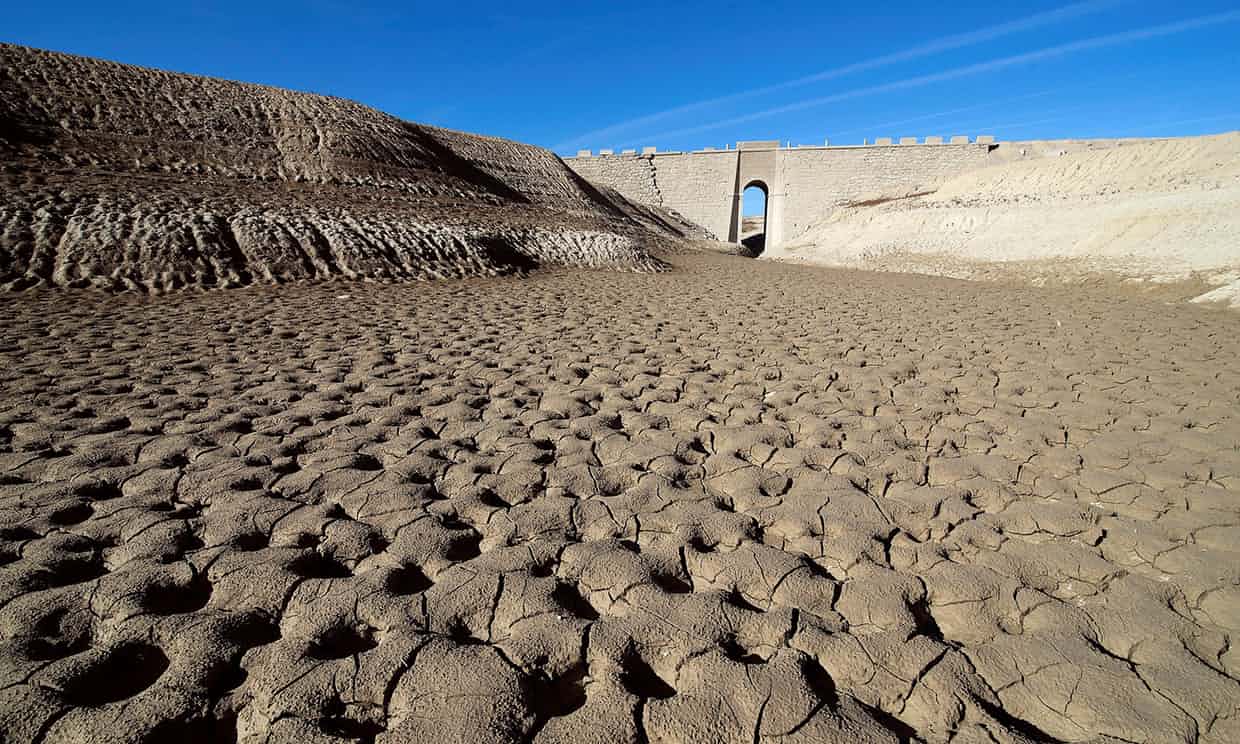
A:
{"x":817,"y":181}
{"x":813,"y":181}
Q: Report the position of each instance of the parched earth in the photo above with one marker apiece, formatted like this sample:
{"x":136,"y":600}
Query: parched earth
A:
{"x":741,"y":501}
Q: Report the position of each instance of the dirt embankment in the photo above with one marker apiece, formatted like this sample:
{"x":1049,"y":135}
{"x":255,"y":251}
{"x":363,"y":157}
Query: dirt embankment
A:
{"x":122,"y":177}
{"x":1154,"y":213}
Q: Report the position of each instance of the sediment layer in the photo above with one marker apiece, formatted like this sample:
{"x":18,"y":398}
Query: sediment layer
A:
{"x":121,"y":177}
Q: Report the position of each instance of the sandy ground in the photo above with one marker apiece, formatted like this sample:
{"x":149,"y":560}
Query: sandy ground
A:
{"x":742,"y":501}
{"x":751,"y":226}
{"x":1150,"y":212}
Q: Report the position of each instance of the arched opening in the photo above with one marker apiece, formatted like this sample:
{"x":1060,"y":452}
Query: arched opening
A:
{"x":753,"y":217}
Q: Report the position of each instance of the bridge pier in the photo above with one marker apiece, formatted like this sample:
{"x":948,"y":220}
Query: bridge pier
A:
{"x":757,"y":164}
{"x":773,"y":216}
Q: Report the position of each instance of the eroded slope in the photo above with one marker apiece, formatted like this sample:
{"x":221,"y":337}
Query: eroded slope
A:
{"x":124,"y":177}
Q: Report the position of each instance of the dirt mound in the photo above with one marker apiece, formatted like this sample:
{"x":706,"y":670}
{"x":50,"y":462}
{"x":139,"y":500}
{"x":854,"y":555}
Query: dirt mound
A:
{"x":1160,"y":211}
{"x":123,"y":177}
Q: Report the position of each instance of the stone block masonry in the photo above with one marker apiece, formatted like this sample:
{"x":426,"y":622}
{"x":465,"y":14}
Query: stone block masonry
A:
{"x":803,"y":184}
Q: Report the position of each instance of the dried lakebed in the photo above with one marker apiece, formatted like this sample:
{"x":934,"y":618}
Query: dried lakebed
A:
{"x":741,"y":501}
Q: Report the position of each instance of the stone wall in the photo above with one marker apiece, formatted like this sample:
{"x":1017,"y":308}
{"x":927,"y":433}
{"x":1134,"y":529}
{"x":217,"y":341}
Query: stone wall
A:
{"x":816,"y":181}
{"x":699,"y":186}
{"x":631,"y":176}
{"x":804,"y":183}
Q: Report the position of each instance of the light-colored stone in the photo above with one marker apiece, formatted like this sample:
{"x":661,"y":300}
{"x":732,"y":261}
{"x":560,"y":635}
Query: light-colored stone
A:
{"x":803,"y":184}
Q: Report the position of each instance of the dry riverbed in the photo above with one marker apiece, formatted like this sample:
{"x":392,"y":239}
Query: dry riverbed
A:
{"x":740,"y":501}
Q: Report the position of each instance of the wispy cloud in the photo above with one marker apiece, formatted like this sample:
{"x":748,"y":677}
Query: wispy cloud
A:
{"x":1018,"y":125}
{"x":943,"y":114}
{"x":1234,"y":116}
{"x":1078,"y":87}
{"x":935,"y":46}
{"x":1097,"y":42}
{"x":1006,"y":127}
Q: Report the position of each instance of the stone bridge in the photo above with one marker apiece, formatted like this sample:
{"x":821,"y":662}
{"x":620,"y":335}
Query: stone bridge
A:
{"x":802,"y":184}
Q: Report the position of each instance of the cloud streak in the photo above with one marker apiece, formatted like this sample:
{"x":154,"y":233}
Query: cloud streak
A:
{"x":1233,"y":116}
{"x":1062,"y":50}
{"x":942,"y":114}
{"x":887,"y":125}
{"x":929,"y":48}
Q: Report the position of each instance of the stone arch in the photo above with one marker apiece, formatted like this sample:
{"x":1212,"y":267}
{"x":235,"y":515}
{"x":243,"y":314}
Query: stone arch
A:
{"x":758,"y":163}
{"x":758,"y":183}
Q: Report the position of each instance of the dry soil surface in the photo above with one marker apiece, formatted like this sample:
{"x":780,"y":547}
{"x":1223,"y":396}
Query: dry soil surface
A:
{"x":737,"y":502}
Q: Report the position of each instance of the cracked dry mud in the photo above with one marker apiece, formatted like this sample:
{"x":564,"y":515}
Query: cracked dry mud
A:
{"x":736,"y":502}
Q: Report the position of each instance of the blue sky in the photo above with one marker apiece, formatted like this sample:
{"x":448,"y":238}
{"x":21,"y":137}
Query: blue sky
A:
{"x":577,"y":75}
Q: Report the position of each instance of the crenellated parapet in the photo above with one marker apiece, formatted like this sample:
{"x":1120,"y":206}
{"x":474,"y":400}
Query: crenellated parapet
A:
{"x":933,"y":140}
